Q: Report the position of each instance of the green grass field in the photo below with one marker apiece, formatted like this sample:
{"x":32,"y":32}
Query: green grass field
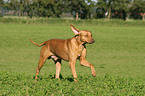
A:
{"x":118,"y":56}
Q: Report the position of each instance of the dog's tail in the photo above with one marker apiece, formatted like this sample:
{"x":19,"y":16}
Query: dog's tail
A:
{"x":38,"y":44}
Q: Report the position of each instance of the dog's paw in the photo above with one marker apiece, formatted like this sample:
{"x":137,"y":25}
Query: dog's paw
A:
{"x":94,"y":74}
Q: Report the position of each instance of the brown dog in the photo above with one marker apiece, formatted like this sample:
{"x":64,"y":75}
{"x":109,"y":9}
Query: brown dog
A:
{"x":68,"y":50}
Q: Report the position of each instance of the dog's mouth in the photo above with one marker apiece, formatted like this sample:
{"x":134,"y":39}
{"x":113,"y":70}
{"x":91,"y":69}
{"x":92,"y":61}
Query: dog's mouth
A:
{"x":92,"y":41}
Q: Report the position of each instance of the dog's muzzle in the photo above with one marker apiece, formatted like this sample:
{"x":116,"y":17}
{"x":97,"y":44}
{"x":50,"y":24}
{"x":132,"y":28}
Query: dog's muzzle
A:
{"x":92,"y":41}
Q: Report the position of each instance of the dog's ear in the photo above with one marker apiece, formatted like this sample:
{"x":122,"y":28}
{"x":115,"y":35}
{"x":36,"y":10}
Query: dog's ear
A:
{"x":75,"y":30}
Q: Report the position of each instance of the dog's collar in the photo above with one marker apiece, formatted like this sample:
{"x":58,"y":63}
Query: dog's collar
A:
{"x":76,"y":35}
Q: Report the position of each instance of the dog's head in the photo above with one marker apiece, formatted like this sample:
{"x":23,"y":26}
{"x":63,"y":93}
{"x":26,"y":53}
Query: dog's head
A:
{"x":85,"y":35}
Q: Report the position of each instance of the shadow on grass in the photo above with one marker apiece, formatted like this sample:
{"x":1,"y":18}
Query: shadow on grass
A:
{"x":70,"y":79}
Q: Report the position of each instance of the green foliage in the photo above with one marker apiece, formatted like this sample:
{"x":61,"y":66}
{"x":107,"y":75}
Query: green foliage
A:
{"x":138,"y":9}
{"x":22,"y":84}
{"x":1,"y":3}
{"x":41,"y":8}
{"x":115,"y":8}
{"x":48,"y":8}
{"x":83,"y":9}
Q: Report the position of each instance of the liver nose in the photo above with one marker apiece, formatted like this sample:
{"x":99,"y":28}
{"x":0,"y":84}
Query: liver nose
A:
{"x":93,"y":40}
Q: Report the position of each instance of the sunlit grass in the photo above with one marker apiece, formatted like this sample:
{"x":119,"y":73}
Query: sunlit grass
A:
{"x":117,"y":51}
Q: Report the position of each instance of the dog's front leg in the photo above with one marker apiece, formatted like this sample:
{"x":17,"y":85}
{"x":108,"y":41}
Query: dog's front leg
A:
{"x":72,"y":66}
{"x":84,"y":62}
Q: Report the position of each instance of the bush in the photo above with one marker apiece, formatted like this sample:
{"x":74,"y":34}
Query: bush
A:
{"x":114,"y":22}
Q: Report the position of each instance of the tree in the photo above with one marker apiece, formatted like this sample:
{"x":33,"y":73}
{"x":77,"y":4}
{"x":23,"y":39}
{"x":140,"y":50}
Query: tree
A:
{"x":29,"y":8}
{"x":101,"y":9}
{"x":80,"y":8}
{"x":76,"y":7}
{"x":1,"y":7}
{"x":41,"y":8}
{"x":1,"y":3}
{"x":13,"y":5}
{"x":138,"y":9}
{"x":117,"y":8}
{"x":106,"y":6}
{"x":88,"y":9}
{"x":48,"y":8}
{"x":121,"y":8}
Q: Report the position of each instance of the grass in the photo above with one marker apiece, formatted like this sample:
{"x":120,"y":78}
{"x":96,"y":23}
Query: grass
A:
{"x":118,"y":56}
{"x":22,"y":84}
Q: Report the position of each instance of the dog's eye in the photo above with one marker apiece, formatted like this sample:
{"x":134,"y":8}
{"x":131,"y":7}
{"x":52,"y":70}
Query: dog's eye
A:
{"x":85,"y":35}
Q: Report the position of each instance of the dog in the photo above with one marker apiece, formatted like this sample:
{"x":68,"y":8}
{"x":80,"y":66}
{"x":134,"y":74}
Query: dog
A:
{"x":67,"y":49}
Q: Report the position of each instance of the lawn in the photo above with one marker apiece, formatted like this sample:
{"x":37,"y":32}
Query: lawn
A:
{"x":118,"y":54}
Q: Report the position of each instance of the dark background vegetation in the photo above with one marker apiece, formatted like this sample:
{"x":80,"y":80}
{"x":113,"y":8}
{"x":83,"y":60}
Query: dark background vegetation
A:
{"x":79,"y":9}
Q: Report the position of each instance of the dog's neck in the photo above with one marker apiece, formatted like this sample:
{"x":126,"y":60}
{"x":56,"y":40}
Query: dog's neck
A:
{"x":78,"y":40}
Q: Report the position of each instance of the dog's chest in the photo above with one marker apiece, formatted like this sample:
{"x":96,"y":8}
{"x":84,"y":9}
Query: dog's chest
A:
{"x":80,"y":49}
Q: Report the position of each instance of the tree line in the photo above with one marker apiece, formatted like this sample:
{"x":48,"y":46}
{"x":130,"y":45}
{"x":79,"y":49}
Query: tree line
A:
{"x":83,"y":9}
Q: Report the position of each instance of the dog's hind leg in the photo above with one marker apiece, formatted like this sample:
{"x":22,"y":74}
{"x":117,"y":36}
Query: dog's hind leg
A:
{"x":43,"y":56}
{"x":58,"y":67}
